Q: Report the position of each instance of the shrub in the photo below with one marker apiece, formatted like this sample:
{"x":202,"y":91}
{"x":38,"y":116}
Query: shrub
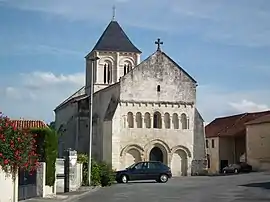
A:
{"x":17,"y":148}
{"x":101,"y":172}
{"x":47,"y":148}
{"x":107,"y":176}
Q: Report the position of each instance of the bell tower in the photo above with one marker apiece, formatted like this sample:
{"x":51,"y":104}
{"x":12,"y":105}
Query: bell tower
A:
{"x":117,"y":56}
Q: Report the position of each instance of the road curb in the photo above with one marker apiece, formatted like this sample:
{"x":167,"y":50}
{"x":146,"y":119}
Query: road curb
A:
{"x":77,"y":197}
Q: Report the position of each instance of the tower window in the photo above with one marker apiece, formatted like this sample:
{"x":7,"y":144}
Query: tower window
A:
{"x":125,"y":69}
{"x":158,"y":88}
{"x":105,"y":73}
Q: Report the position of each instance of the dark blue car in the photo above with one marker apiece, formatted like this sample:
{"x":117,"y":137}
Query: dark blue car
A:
{"x":147,"y":170}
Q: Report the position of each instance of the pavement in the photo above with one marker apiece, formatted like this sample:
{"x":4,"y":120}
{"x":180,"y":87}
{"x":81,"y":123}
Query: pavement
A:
{"x":66,"y":197}
{"x":252,"y":187}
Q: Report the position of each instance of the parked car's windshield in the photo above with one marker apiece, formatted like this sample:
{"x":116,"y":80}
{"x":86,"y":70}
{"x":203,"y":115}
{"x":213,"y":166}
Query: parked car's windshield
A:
{"x":130,"y":167}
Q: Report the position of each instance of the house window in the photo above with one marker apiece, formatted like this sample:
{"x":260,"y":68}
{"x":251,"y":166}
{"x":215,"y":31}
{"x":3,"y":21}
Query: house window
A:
{"x":158,"y":88}
{"x":208,"y":161}
{"x":207,"y":144}
{"x":213,"y":143}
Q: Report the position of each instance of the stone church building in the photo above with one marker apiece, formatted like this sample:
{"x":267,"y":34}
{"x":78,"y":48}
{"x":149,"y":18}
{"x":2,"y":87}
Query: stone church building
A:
{"x":141,"y":110}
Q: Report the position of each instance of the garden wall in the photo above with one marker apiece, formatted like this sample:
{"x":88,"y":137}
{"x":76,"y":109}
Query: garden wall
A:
{"x":8,"y":190}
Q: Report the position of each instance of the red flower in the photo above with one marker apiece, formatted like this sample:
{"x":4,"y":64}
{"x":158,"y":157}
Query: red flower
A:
{"x":6,"y":161}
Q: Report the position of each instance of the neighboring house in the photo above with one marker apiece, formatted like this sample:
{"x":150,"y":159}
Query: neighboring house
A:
{"x":26,"y":124}
{"x":258,"y":143}
{"x":226,"y":140}
{"x":141,"y":110}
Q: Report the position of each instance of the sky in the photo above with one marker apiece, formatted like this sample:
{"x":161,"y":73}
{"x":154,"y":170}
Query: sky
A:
{"x":223,"y":44}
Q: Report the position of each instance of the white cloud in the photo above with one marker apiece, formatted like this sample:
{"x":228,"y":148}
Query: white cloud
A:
{"x":248,"y":106}
{"x":12,"y":93}
{"x":41,"y":80}
{"x":214,"y":101}
{"x":242,"y":22}
{"x":35,"y":95}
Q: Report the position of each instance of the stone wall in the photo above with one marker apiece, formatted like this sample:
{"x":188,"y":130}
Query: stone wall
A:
{"x":75,"y":176}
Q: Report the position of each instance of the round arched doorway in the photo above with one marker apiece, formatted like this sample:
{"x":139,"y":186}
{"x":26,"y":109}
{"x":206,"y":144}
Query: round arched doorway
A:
{"x":156,"y":155}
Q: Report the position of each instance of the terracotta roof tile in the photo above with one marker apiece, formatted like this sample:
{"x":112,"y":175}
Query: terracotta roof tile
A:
{"x":231,"y":125}
{"x":263,"y":119}
{"x":26,"y":124}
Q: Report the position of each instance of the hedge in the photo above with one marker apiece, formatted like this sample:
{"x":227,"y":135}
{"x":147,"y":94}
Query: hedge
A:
{"x":47,"y":149}
{"x":101,"y":172}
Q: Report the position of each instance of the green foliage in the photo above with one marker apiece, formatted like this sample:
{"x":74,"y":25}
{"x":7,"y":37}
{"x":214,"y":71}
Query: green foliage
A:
{"x":107,"y":176}
{"x":101,"y":173}
{"x":47,"y":148}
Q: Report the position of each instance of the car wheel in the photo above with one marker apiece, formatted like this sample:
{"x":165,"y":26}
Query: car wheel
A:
{"x":224,"y":171}
{"x":235,"y":171}
{"x":124,"y":179}
{"x":163,"y":178}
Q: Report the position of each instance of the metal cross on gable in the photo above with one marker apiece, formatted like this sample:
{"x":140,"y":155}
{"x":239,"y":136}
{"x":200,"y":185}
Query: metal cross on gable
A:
{"x":158,"y":42}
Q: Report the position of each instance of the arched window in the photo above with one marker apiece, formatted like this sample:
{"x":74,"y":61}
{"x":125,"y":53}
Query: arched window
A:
{"x":139,"y":120}
{"x":130,"y":120}
{"x":127,"y":67}
{"x":184,"y":121}
{"x":147,"y":120}
{"x":157,"y":120}
{"x":175,"y":121}
{"x":107,"y":71}
{"x":167,"y":120}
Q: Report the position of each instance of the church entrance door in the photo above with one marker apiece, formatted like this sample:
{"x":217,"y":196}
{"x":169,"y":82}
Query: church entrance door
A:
{"x":156,"y":155}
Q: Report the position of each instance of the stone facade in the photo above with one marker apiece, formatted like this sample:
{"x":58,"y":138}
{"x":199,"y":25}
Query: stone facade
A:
{"x":258,"y":145}
{"x":141,"y":111}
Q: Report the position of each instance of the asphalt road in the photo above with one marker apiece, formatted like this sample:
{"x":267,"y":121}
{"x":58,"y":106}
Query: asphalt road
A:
{"x":253,"y":187}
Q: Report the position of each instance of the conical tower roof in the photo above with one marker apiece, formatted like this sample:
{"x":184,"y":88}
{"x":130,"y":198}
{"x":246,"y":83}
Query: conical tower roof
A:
{"x":115,"y":39}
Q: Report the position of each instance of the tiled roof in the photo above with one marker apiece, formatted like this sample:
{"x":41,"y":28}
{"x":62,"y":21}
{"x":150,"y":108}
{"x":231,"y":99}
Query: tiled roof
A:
{"x":231,"y":125}
{"x":263,"y":119}
{"x":115,"y":39}
{"x":26,"y":124}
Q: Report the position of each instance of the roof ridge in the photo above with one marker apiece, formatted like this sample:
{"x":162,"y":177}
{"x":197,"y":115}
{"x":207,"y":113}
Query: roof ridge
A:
{"x":176,"y":64}
{"x":231,"y":116}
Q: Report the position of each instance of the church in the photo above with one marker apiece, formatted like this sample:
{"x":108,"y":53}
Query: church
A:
{"x":142,"y":110}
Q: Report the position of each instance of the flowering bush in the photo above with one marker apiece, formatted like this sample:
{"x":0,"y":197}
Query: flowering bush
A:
{"x":17,"y":148}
